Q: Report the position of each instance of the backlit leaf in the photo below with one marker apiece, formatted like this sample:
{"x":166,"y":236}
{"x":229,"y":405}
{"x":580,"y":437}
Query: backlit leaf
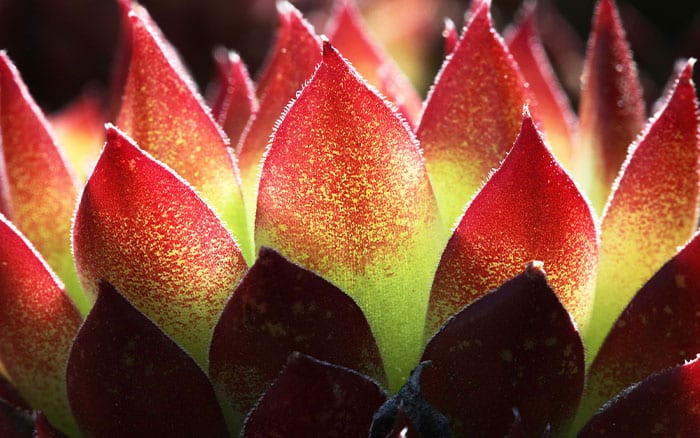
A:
{"x":611,"y":110}
{"x":164,"y":114}
{"x":654,"y":206}
{"x":296,"y":54}
{"x":550,"y":101}
{"x":146,"y":231}
{"x":471,"y":116}
{"x":344,"y":193}
{"x":37,"y":326}
{"x":37,"y":189}
{"x":529,"y":209}
{"x":659,"y":329}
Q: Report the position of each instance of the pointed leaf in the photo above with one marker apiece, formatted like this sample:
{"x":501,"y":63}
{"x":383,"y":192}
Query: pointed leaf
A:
{"x":654,"y":208}
{"x":296,"y":54}
{"x":348,"y":33}
{"x":80,"y":131}
{"x":472,"y":115}
{"x":663,"y":318}
{"x":513,"y":348}
{"x":279,"y":308}
{"x":37,"y":189}
{"x":314,"y":398}
{"x":611,"y":110}
{"x":125,"y":377}
{"x":44,"y":429}
{"x":344,"y":193}
{"x":37,"y":326}
{"x":145,"y":230}
{"x":530,"y":209}
{"x":165,"y":115}
{"x":550,"y":101}
{"x":666,"y":404}
{"x":235,"y":100}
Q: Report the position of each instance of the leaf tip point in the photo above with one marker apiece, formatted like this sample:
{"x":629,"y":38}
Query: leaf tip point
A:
{"x":535,"y":269}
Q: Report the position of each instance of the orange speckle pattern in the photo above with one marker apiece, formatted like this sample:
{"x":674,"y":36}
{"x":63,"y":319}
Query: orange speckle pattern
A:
{"x":145,"y":231}
{"x":529,"y":209}
{"x":471,"y":116}
{"x":37,"y":325}
{"x":163,"y":113}
{"x":344,"y":192}
{"x":654,"y":206}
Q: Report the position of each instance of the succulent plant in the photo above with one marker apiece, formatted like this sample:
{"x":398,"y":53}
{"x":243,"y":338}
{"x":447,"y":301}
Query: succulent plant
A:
{"x":319,"y":253}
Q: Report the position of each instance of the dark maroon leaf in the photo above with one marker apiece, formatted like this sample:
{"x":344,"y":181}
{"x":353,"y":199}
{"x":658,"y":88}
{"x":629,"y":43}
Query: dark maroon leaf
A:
{"x":314,"y":398}
{"x":403,"y":428}
{"x":514,"y":348}
{"x":125,"y":377}
{"x":408,"y":409}
{"x":666,"y":404}
{"x":663,"y":318}
{"x":279,"y":308}
{"x":9,"y":394}
{"x":14,"y":422}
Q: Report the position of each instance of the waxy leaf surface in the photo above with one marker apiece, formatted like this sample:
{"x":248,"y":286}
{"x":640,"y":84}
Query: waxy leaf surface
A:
{"x":654,"y":208}
{"x":663,"y":318}
{"x":37,"y":326}
{"x":125,"y":377}
{"x":611,"y":110}
{"x":37,"y":190}
{"x":550,"y":102}
{"x":296,"y":54}
{"x":349,"y":35}
{"x":316,"y":399}
{"x":666,"y":404}
{"x":528,"y":210}
{"x":146,"y":231}
{"x":235,"y":99}
{"x":344,"y":193}
{"x":472,"y":115}
{"x":277,"y":309}
{"x":514,"y":348}
{"x":164,"y":114}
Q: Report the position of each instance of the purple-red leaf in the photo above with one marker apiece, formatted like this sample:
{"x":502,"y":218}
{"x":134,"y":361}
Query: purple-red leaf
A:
{"x":44,"y":429}
{"x":14,"y":422}
{"x":654,"y":207}
{"x":472,"y":115}
{"x":344,"y":193}
{"x":529,"y":209}
{"x":125,"y":377}
{"x":296,"y":54}
{"x":666,"y":404}
{"x":37,"y":326}
{"x":514,"y":348}
{"x":37,"y":189}
{"x":235,"y":100}
{"x":550,"y":102}
{"x":347,"y":32}
{"x":451,"y":36}
{"x":279,"y":308}
{"x":314,"y":398}
{"x":659,"y":329}
{"x":611,"y":110}
{"x":163,"y":113}
{"x":146,"y":231}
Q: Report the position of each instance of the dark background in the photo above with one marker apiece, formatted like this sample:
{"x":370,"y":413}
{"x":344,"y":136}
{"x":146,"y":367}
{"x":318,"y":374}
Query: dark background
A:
{"x":62,"y":47}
